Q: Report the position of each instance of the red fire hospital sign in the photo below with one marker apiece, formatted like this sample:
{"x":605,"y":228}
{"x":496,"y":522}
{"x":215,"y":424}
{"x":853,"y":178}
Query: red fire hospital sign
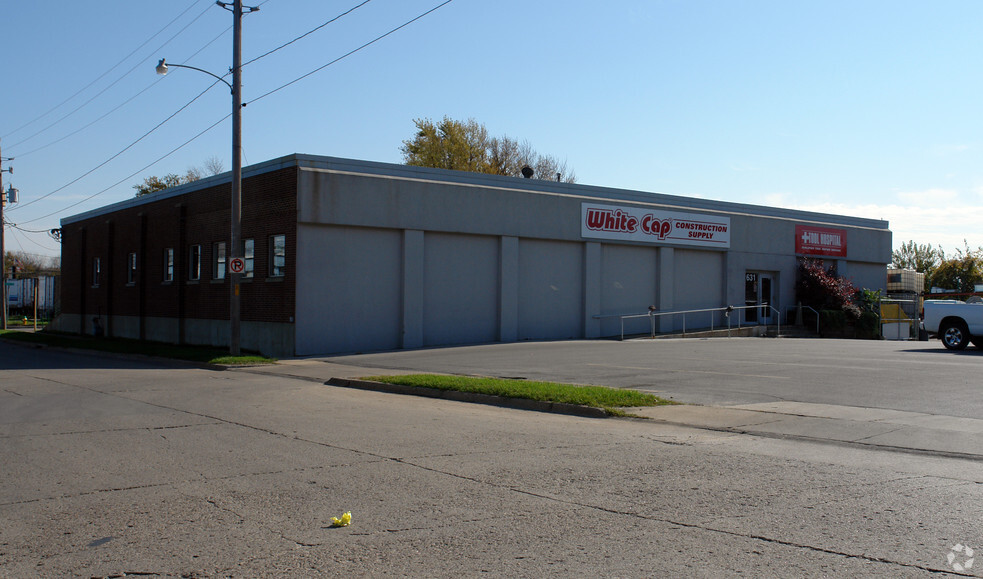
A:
{"x":822,"y":241}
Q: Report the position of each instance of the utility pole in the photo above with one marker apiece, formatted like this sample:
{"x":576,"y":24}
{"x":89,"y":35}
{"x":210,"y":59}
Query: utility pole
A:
{"x":234,"y":303}
{"x":3,"y":273}
{"x":237,"y":10}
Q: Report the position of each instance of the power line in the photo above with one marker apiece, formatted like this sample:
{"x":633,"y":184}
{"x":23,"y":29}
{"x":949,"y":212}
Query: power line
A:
{"x":124,"y":103}
{"x":97,"y":79}
{"x":21,"y":244}
{"x":308,"y":33}
{"x":79,"y":130}
{"x":13,"y":225}
{"x":115,"y":82}
{"x":137,"y":172}
{"x":144,"y":90}
{"x":100,"y":165}
{"x":367,"y":44}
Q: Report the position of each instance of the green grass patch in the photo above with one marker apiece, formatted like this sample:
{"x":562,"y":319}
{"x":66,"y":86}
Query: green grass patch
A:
{"x":19,"y":322}
{"x":201,"y":354}
{"x":611,"y":399}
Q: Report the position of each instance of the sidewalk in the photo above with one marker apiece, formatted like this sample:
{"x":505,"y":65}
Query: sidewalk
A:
{"x":871,"y":427}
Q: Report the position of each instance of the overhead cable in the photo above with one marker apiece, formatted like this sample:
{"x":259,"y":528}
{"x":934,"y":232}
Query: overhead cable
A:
{"x":111,"y":85}
{"x":97,"y":79}
{"x":135,"y":173}
{"x":367,"y":44}
{"x":128,"y":147}
{"x":308,"y":33}
{"x":344,"y":56}
{"x":121,"y":105}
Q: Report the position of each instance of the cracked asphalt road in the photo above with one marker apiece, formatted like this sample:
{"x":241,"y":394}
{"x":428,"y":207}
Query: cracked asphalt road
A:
{"x":123,"y":467}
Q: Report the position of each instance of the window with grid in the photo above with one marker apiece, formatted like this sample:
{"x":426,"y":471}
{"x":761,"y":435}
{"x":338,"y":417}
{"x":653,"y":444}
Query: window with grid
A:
{"x":278,"y":255}
{"x":194,"y":263}
{"x":169,"y":264}
{"x":218,"y":260}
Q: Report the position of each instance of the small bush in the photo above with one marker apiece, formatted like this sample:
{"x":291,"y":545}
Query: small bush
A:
{"x":868,"y":326}
{"x":832,"y":320}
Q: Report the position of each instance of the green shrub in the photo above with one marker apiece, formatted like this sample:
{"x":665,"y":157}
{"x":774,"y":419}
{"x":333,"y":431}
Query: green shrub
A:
{"x":832,"y":320}
{"x":868,"y":326}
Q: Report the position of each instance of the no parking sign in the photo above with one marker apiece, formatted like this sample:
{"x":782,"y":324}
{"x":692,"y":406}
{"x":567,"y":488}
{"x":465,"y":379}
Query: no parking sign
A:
{"x":237,"y":265}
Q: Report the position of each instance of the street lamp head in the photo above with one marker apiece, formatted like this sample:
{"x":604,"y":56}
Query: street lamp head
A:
{"x":162,"y":66}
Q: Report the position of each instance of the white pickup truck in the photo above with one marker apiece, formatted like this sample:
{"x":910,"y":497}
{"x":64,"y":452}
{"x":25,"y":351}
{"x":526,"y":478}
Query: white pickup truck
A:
{"x":956,"y":323}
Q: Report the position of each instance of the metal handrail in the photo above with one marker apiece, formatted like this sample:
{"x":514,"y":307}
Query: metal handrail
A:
{"x":727,"y":309}
{"x":815,"y":312}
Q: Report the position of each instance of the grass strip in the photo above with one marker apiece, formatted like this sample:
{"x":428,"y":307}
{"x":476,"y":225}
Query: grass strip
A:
{"x":611,"y":399}
{"x":201,"y":354}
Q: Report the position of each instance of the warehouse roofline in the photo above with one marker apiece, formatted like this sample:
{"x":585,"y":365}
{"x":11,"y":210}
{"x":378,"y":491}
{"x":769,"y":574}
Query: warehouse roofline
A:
{"x":398,"y":171}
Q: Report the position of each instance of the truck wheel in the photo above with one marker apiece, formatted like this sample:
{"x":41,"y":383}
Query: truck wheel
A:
{"x":954,"y":335}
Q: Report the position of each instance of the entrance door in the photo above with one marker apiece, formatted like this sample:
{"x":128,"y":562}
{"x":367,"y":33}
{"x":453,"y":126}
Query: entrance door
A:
{"x":764,"y":298}
{"x":758,"y":292}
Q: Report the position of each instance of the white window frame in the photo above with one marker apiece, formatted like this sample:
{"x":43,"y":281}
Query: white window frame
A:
{"x":168,"y":264}
{"x":219,"y":260}
{"x":249,"y":257}
{"x":194,"y":263}
{"x":131,"y":268}
{"x":275,"y":270}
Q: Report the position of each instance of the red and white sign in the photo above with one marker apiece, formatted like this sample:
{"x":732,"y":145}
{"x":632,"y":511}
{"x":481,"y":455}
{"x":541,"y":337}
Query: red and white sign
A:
{"x":824,"y":241}
{"x":237,"y":265}
{"x":653,"y":226}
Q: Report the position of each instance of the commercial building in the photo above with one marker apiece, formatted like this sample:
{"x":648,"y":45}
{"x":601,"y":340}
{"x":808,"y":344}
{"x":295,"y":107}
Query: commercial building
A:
{"x":353,"y":256}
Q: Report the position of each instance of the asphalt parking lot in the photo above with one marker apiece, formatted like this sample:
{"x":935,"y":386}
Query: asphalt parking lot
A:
{"x":116,"y":467}
{"x":908,"y":376}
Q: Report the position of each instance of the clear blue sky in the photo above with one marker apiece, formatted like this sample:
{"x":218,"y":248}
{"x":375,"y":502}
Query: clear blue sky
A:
{"x":861,"y":108}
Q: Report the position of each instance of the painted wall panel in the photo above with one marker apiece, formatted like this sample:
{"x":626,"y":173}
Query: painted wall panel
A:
{"x":697,"y":284}
{"x":628,"y":285}
{"x":867,"y":275}
{"x":550,"y":290}
{"x":460,"y":302}
{"x":348,"y":289}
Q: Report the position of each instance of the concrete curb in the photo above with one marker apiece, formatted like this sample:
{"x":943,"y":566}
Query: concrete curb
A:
{"x":472,"y":397}
{"x":881,"y":429}
{"x":172,"y":362}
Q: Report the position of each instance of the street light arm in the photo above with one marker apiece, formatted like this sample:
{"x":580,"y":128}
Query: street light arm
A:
{"x":163,"y":65}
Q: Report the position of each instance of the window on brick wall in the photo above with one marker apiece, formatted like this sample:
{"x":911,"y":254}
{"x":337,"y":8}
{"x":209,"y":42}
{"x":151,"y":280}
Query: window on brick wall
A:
{"x":218,"y":260}
{"x":169,"y":264}
{"x":96,"y":271}
{"x":194,"y":263}
{"x":131,"y":269}
{"x":249,"y":256}
{"x":278,"y":255}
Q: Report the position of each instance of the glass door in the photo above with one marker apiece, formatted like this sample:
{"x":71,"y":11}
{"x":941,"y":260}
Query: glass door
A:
{"x":758,"y":289}
{"x":764,"y":298}
{"x":751,"y":296}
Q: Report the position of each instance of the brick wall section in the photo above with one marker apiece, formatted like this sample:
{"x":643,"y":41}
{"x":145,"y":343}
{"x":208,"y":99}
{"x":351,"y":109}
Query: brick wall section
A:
{"x":269,"y":207}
